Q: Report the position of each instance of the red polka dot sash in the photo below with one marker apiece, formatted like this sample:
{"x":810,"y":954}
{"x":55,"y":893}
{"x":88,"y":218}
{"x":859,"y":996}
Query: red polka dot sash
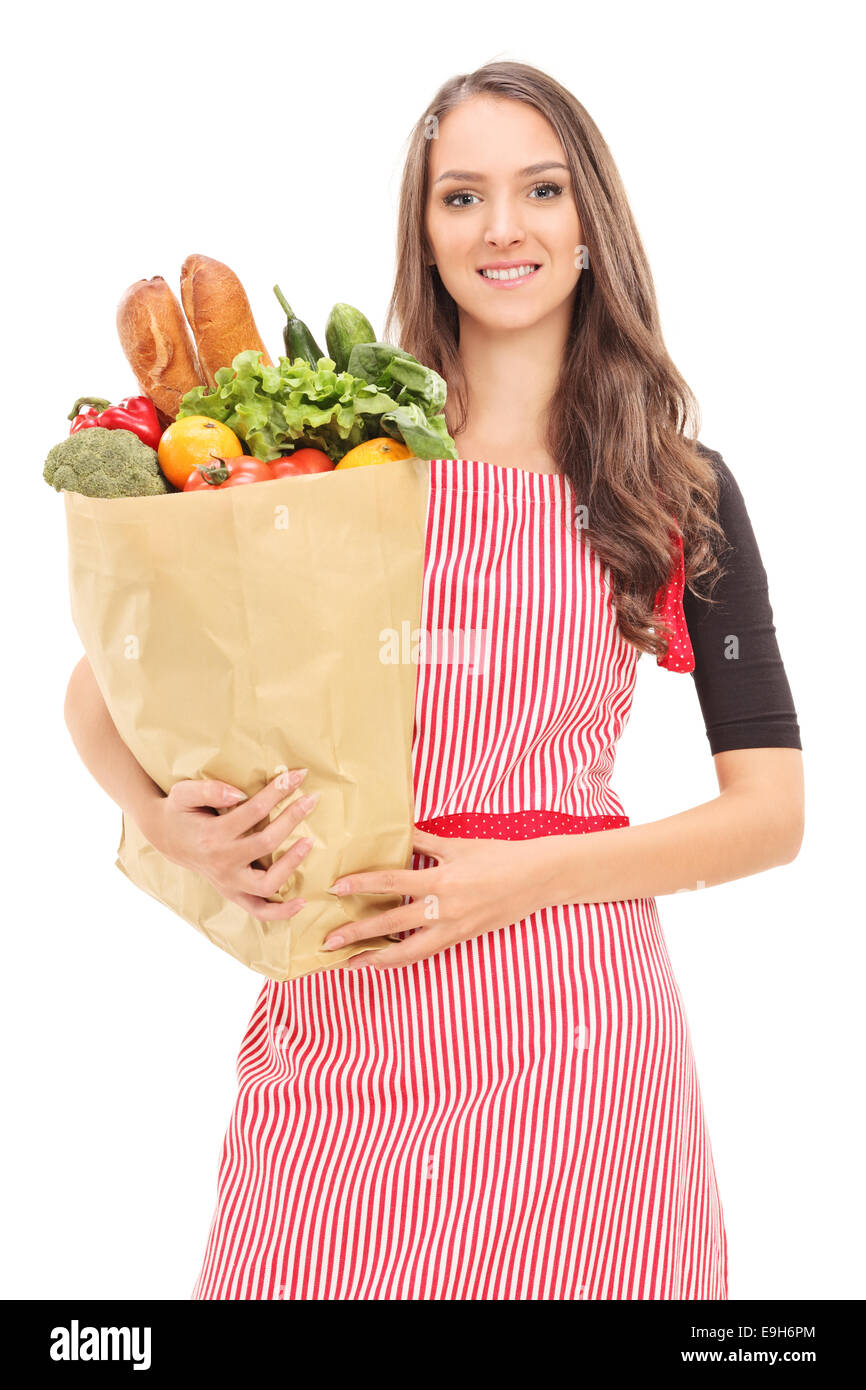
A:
{"x":516,"y":825}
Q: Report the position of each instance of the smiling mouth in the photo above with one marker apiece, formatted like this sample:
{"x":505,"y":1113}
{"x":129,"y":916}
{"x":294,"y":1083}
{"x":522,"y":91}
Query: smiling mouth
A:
{"x":509,"y":277}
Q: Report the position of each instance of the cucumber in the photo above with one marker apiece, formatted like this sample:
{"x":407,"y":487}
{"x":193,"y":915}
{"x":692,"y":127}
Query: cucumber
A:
{"x":345,"y":328}
{"x":298,"y":340}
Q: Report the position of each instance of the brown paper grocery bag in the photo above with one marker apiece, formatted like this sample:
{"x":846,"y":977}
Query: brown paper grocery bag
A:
{"x":239,"y":632}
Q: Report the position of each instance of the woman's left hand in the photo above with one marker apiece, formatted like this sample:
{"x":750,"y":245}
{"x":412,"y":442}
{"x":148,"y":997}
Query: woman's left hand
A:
{"x":476,"y":886}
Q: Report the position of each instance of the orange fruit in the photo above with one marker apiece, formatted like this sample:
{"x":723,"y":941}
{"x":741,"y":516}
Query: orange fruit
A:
{"x":375,"y":451}
{"x":191,"y":440}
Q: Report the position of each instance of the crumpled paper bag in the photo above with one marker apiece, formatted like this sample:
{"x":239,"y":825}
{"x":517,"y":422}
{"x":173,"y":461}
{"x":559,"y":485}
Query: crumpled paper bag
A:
{"x":243,"y":631}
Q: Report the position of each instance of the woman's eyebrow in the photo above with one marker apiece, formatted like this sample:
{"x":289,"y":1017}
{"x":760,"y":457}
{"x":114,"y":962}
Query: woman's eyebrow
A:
{"x":521,"y":173}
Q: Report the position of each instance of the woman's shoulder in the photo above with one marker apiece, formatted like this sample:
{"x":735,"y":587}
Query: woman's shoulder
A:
{"x":731,"y":513}
{"x":727,"y":481}
{"x":739,"y":555}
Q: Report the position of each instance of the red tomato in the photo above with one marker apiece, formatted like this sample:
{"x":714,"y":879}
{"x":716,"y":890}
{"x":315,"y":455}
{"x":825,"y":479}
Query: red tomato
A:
{"x":301,"y":461}
{"x":228,"y":473}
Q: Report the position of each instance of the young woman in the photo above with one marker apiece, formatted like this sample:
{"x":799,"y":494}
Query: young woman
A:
{"x":504,"y":1104}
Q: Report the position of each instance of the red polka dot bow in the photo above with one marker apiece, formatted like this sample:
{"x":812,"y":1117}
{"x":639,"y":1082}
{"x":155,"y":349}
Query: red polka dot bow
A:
{"x":669,"y":606}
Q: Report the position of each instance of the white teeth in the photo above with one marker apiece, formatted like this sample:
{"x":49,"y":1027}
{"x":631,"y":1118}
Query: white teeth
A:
{"x":515,"y":273}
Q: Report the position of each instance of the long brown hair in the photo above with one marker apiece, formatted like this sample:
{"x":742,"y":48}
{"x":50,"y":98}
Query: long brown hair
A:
{"x":623,"y":423}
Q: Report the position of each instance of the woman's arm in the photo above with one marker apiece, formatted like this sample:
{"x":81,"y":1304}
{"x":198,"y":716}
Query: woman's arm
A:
{"x":103,"y":751}
{"x":756,"y":823}
{"x":751,"y":724}
{"x":481,"y":885}
{"x":184,"y":825}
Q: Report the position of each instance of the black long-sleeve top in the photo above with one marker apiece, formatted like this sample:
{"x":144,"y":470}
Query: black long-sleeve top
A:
{"x":742,"y":687}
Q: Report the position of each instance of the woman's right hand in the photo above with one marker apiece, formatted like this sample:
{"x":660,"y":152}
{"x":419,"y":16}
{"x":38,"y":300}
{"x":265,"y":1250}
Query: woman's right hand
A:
{"x":185,"y":828}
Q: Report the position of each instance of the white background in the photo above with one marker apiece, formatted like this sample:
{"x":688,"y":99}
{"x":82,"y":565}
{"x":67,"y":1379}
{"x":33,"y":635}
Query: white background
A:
{"x":272,"y":137}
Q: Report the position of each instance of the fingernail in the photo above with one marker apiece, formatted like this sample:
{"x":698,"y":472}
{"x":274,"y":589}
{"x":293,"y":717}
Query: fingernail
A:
{"x":235,"y":796}
{"x":337,"y":888}
{"x":304,"y":845}
{"x":307,"y":803}
{"x":333,"y":942}
{"x":291,"y":779}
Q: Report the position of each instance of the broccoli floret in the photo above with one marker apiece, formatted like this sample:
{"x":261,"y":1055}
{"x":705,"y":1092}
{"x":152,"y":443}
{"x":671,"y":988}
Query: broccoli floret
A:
{"x":105,"y":463}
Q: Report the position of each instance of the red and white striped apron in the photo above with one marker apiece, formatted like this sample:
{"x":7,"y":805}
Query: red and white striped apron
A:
{"x":518,"y":1116}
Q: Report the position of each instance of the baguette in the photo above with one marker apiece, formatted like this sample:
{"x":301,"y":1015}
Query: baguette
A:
{"x":219,"y":314}
{"x":157,"y":343}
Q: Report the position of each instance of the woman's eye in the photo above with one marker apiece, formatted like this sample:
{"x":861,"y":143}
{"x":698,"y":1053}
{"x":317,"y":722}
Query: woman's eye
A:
{"x":557,"y":189}
{"x":451,"y":199}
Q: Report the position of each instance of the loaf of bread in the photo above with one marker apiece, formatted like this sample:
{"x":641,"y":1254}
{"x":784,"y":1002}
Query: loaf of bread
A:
{"x":219,"y":314}
{"x":156,"y":340}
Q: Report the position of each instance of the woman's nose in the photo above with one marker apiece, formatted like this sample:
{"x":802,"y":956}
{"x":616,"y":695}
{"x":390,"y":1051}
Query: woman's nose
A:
{"x":504,"y":226}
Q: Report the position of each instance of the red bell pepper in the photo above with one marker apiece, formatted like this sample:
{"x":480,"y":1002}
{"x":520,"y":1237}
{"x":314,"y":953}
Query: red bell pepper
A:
{"x":135,"y":413}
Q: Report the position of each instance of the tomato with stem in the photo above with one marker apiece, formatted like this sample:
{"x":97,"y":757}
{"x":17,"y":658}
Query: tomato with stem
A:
{"x":228,"y":473}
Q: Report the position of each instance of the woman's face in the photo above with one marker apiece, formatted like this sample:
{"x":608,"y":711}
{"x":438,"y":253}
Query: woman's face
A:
{"x":484,"y":207}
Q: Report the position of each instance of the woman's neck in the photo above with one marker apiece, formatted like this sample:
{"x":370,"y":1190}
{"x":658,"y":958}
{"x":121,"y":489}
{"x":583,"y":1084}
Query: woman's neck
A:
{"x":511,"y":377}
